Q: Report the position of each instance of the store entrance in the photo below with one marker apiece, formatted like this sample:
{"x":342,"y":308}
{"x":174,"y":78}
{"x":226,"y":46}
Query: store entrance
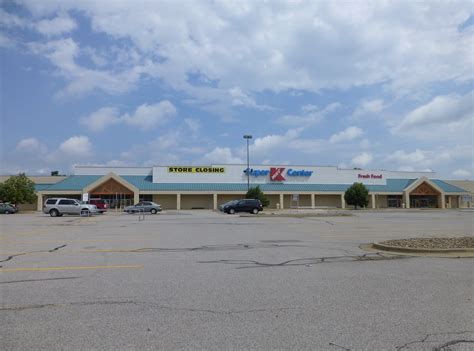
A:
{"x":423,"y":201}
{"x":424,"y":196}
{"x":115,"y":194}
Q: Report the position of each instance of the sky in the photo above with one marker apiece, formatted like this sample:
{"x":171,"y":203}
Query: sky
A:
{"x":367,"y":84}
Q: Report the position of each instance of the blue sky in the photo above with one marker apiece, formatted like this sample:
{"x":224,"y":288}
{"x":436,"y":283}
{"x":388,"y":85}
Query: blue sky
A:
{"x":383,"y":85}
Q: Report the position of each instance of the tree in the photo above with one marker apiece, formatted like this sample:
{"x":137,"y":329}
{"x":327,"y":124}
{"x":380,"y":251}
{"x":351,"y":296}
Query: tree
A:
{"x":18,"y":190}
{"x":357,"y":195}
{"x":257,"y":193}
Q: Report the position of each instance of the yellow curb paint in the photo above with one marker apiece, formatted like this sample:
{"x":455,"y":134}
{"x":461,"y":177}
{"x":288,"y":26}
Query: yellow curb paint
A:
{"x":70,"y":268}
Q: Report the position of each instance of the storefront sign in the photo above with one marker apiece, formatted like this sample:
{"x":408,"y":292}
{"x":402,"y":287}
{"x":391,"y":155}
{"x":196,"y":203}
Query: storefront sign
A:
{"x":278,"y":174}
{"x":370,"y":176}
{"x":196,"y":169}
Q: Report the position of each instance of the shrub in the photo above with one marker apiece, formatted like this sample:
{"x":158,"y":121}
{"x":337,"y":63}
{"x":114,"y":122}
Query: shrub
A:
{"x":357,"y":195}
{"x":257,"y":193}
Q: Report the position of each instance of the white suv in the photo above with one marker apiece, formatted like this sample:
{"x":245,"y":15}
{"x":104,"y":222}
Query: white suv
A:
{"x":59,"y":206}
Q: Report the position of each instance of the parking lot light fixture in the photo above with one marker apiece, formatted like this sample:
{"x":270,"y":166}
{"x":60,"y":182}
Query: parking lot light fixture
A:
{"x":247,"y":137}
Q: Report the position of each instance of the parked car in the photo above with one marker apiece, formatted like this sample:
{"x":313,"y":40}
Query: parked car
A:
{"x":58,"y":206}
{"x":7,"y":208}
{"x":100,"y":204}
{"x":227,"y":204}
{"x":143,"y":206}
{"x":245,"y":205}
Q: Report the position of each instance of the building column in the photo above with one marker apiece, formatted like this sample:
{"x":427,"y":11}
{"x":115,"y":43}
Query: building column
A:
{"x":343,"y":201}
{"x":282,"y":205}
{"x":373,"y":200}
{"x":443,"y":200}
{"x":39,"y":202}
{"x":178,"y":201}
{"x":214,"y":200}
{"x":313,"y":201}
{"x":406,"y":199}
{"x":136,"y":197}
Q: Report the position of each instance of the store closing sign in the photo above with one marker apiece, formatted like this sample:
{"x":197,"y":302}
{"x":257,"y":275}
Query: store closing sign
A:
{"x":196,"y":169}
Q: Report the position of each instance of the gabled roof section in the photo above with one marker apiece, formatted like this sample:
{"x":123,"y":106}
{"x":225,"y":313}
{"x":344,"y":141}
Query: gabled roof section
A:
{"x":422,"y":180}
{"x":118,"y":179}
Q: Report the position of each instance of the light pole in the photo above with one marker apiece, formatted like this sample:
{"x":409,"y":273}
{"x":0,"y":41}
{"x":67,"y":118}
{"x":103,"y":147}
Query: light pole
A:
{"x":248,"y":165}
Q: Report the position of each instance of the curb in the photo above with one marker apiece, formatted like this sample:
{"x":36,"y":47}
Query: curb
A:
{"x":418,"y":250}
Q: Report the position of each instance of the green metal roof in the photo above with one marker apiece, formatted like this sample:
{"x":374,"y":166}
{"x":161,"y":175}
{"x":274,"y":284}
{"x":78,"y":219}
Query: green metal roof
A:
{"x":448,"y":187}
{"x":39,"y":187}
{"x":75,"y":182}
{"x":145,"y":183}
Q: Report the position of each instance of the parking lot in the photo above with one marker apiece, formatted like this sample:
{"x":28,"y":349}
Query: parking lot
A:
{"x":204,"y":280}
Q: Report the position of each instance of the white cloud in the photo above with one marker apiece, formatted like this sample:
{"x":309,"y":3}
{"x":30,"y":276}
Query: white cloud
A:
{"x":63,"y":54}
{"x":221,"y":155}
{"x":9,"y":20}
{"x":462,"y":173}
{"x":348,"y":134}
{"x":362,"y":160}
{"x":400,"y":156}
{"x":150,"y":116}
{"x":418,"y":46}
{"x":239,"y":98}
{"x":443,"y":116}
{"x":31,"y":145}
{"x":76,"y":146}
{"x":311,"y":115}
{"x":56,"y":26}
{"x":145,"y":116}
{"x":369,"y":107}
{"x":101,"y":119}
{"x":5,"y":41}
{"x":193,"y":124}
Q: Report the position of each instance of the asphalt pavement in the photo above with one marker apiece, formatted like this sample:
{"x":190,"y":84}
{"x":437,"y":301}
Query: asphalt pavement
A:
{"x":204,"y":280}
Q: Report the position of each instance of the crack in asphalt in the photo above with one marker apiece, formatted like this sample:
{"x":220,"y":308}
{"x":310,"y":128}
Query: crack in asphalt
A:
{"x":310,"y":261}
{"x":11,"y":257}
{"x":341,"y":347}
{"x":442,"y":346}
{"x":450,"y":343}
{"x":210,"y":248}
{"x":141,"y":303}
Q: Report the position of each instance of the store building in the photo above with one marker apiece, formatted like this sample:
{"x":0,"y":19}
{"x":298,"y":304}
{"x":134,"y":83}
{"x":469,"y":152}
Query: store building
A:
{"x":206,"y":187}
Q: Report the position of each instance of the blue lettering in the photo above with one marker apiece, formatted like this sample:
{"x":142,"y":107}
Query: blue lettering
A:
{"x":302,"y":173}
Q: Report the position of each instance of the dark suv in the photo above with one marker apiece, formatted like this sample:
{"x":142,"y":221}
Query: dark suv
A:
{"x":245,"y":205}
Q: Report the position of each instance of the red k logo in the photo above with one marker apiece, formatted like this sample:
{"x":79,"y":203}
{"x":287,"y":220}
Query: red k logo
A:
{"x":276,"y":174}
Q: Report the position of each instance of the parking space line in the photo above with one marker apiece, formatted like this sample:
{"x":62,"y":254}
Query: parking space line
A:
{"x":65,"y":268}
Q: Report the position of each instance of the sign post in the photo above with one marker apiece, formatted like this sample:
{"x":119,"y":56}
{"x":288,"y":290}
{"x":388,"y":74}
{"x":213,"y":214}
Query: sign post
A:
{"x":85,"y":197}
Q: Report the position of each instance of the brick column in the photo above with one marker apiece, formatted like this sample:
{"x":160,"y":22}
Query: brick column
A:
{"x":282,"y":205}
{"x":214,"y":200}
{"x":313,"y":201}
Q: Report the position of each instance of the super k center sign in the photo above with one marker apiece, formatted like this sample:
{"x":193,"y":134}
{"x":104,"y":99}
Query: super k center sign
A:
{"x":278,"y":174}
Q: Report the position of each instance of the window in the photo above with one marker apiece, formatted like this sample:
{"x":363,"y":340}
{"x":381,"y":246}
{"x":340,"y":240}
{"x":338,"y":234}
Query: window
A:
{"x":51,"y":202}
{"x":67,"y":202}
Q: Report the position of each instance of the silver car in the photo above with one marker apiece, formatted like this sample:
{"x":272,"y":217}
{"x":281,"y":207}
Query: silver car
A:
{"x":56,"y":207}
{"x":143,"y":206}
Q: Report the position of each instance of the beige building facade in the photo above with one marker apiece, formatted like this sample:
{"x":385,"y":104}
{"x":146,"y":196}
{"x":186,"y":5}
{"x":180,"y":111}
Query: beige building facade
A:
{"x":207,"y":187}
